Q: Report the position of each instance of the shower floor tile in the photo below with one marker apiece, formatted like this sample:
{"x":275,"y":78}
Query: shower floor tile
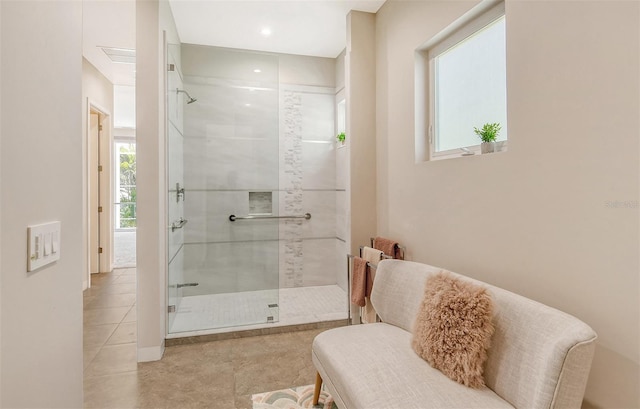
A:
{"x":217,"y":313}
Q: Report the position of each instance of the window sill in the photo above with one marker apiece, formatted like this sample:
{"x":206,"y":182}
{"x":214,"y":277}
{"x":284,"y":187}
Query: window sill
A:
{"x":458,"y":153}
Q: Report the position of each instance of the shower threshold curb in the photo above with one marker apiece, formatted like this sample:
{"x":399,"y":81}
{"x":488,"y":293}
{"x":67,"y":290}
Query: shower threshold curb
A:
{"x":168,"y":342}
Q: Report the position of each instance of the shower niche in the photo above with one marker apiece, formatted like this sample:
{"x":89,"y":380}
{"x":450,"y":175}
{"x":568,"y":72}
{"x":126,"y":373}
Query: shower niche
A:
{"x":260,"y":203}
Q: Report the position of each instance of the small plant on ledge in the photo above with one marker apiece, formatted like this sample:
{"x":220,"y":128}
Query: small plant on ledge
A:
{"x":488,"y":135}
{"x":341,"y":137}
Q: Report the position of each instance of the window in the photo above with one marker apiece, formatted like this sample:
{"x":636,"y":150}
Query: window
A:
{"x":467,"y":81}
{"x":125,"y":185}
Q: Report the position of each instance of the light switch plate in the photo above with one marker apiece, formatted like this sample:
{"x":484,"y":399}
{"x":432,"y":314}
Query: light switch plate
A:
{"x":43,"y":245}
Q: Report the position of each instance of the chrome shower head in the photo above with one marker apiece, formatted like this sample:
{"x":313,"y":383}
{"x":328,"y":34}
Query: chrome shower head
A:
{"x":191,"y":100}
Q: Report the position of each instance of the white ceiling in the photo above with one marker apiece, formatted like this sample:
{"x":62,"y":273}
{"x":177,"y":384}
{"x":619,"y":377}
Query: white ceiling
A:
{"x":108,"y":23}
{"x":304,"y":27}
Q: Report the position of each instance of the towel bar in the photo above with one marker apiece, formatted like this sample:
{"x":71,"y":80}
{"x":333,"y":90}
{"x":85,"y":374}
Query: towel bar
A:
{"x":233,"y":217}
{"x":382,"y":256}
{"x":372,"y":265}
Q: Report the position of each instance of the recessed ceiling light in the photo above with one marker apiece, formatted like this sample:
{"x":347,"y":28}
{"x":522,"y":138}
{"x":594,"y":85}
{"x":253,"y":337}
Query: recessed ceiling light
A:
{"x":247,"y":105}
{"x":257,"y":70}
{"x":266,"y":31}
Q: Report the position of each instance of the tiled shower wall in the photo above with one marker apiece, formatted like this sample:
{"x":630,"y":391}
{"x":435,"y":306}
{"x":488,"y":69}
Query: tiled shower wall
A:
{"x":252,"y":132}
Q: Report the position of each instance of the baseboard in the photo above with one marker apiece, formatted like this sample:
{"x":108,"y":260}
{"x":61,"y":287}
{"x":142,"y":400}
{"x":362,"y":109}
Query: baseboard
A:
{"x":150,"y":354}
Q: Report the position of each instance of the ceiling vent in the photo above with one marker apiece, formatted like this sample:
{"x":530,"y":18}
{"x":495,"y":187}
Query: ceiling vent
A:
{"x":120,"y":55}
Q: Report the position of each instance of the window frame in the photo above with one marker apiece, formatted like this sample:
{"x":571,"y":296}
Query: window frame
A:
{"x":458,"y":32}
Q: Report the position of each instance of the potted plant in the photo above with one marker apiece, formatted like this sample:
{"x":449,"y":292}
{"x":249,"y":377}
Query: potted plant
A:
{"x":488,"y":135}
{"x":341,"y":137}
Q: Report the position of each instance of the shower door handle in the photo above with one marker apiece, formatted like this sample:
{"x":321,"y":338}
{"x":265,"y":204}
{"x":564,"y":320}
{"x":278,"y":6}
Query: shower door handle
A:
{"x":178,"y":224}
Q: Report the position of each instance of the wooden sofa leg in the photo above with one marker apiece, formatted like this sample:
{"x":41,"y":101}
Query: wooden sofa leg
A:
{"x":316,"y":391}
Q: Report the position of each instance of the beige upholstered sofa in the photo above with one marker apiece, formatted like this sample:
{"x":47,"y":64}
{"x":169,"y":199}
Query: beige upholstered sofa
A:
{"x":539,"y":358}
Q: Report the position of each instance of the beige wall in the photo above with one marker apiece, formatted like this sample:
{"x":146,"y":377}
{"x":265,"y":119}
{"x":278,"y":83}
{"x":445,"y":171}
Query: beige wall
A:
{"x":538,"y":219}
{"x":1,"y":214}
{"x":150,"y":160}
{"x":152,"y":19}
{"x":41,"y":345}
{"x":360,"y":95}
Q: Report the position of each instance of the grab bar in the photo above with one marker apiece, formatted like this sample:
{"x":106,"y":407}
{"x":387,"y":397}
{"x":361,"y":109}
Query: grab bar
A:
{"x":179,"y":224}
{"x":233,"y":217}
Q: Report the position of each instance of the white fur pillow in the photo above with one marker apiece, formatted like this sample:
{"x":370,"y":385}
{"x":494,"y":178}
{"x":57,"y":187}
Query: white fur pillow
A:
{"x":453,"y":328}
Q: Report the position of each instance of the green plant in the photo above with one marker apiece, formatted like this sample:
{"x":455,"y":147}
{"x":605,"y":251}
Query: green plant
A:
{"x":128,"y":192}
{"x":341,"y":137}
{"x":489,"y":132}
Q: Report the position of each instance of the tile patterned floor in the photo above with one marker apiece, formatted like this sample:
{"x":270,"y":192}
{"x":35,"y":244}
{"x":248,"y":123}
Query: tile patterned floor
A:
{"x":220,"y":374}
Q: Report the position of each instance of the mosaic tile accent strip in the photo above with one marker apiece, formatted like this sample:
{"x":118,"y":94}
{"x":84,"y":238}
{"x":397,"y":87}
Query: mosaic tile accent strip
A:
{"x":292,"y":186}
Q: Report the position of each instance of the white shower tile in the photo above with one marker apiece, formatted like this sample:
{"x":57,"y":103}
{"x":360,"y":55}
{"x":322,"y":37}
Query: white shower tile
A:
{"x":208,"y":214}
{"x":219,"y":313}
{"x":317,"y":111}
{"x":341,"y":264}
{"x":232,"y":108}
{"x":318,"y":165}
{"x":319,"y":262}
{"x":231,"y":267}
{"x":322,"y":206}
{"x":341,"y":214}
{"x":227,"y":163}
{"x":227,"y":63}
{"x":342,"y":167}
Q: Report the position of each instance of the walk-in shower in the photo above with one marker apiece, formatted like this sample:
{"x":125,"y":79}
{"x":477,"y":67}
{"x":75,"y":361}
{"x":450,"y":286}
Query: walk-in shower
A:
{"x":253,"y":164}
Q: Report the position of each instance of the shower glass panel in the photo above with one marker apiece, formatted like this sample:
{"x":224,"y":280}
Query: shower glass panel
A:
{"x":223,"y":154}
{"x":175,"y":177}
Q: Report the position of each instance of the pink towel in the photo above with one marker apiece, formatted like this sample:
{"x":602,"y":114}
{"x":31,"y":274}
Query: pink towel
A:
{"x":359,"y":281}
{"x":388,"y":247}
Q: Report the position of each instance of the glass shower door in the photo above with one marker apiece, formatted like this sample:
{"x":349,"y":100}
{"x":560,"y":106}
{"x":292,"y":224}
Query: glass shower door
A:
{"x":230,"y":155}
{"x":175,"y":184}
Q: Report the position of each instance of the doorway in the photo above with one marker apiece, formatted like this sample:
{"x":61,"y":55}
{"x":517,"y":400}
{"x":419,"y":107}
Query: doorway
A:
{"x":99,"y":191}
